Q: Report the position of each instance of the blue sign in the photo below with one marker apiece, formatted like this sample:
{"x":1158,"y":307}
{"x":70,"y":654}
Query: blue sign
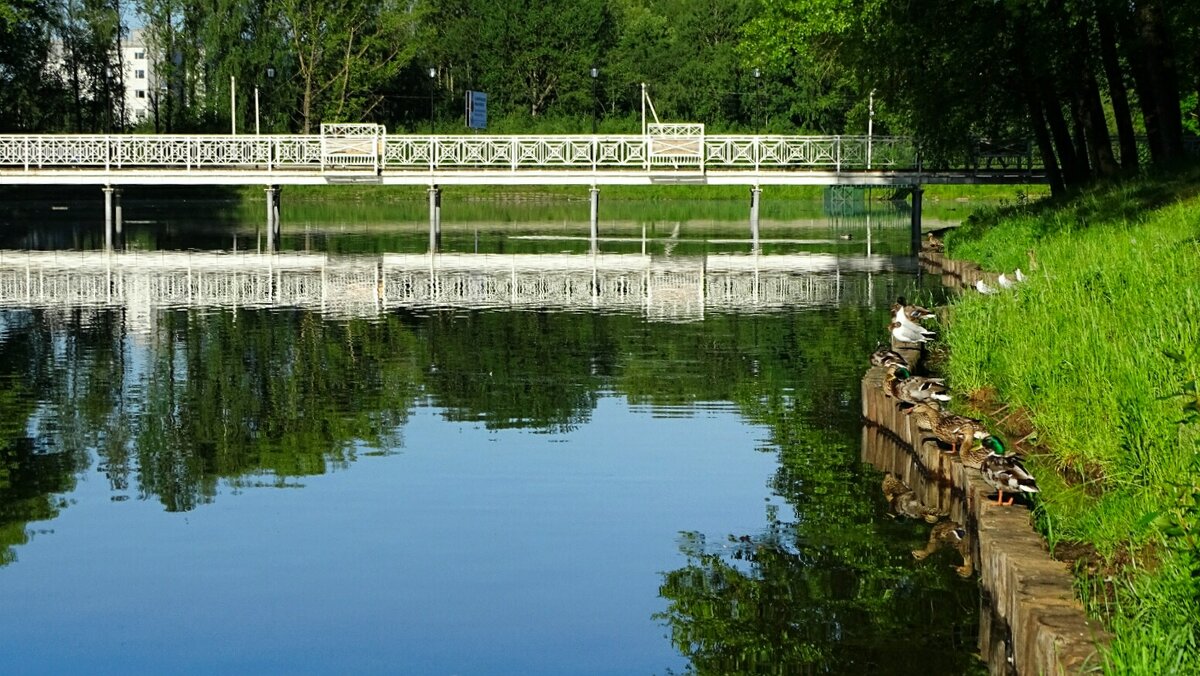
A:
{"x":476,"y":110}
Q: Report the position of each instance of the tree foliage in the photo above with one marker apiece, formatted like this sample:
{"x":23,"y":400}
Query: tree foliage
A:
{"x":1095,"y":86}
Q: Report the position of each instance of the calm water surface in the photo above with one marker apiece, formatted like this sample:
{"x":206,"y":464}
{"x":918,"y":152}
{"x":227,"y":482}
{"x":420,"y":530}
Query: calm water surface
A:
{"x":515,"y":459}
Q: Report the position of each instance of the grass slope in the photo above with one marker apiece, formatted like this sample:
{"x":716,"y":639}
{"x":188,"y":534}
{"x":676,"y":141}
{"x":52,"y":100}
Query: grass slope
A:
{"x":1101,"y":349}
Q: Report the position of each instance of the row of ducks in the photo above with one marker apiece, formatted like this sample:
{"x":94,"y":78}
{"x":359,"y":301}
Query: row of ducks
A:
{"x":1003,"y":282}
{"x":923,"y":397}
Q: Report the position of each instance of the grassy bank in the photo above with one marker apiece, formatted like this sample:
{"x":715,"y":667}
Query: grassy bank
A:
{"x":1099,"y":354}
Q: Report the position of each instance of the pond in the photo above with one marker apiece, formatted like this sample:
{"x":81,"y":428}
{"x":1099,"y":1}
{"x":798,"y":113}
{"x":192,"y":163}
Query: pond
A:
{"x":515,"y":457}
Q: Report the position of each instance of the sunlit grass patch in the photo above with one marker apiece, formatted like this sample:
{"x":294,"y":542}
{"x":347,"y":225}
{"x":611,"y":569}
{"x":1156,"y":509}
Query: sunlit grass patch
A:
{"x":1099,"y":346}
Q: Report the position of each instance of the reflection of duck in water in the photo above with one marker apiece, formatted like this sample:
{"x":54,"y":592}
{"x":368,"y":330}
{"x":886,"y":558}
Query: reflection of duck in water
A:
{"x":905,"y":502}
{"x":952,"y":534}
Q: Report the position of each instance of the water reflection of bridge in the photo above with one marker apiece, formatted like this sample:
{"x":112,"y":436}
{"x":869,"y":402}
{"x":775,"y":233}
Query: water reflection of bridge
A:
{"x":676,"y":288}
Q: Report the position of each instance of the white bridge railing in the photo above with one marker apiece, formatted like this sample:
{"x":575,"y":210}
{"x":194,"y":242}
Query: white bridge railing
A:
{"x":366,"y":148}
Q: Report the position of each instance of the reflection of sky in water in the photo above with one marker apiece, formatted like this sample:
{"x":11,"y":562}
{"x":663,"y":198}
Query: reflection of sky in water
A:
{"x":469,"y":551}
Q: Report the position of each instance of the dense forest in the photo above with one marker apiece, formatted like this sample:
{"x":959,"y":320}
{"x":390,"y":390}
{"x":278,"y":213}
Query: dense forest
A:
{"x":1096,"y":85}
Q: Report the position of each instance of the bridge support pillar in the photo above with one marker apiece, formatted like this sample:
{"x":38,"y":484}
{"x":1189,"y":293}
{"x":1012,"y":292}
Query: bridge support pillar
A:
{"x":108,"y":217}
{"x":435,"y":218}
{"x":272,"y":192}
{"x":915,"y":232}
{"x":594,"y":201}
{"x":118,"y":216}
{"x":755,"y":199}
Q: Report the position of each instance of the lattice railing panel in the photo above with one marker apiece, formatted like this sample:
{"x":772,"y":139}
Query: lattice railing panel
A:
{"x":512,"y":153}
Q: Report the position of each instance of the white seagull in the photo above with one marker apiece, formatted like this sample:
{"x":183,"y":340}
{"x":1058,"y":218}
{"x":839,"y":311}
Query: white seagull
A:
{"x":905,"y":335}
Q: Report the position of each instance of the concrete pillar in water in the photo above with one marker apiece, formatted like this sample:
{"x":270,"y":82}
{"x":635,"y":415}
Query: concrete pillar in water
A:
{"x":435,"y":218}
{"x":276,"y":219}
{"x":272,"y":193}
{"x":594,"y":199}
{"x":118,"y":216}
{"x":915,"y":233}
{"x":755,"y":198}
{"x":108,"y":217}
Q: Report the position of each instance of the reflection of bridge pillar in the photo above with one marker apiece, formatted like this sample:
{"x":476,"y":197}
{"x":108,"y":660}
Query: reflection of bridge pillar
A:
{"x":594,"y":199}
{"x":755,"y":198}
{"x":435,"y":218}
{"x":915,"y":233}
{"x":108,"y":217}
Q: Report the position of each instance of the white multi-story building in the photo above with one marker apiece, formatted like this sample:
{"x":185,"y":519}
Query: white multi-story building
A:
{"x":140,"y":83}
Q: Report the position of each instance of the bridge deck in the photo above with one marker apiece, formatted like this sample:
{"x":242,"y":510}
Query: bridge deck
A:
{"x":499,"y":160}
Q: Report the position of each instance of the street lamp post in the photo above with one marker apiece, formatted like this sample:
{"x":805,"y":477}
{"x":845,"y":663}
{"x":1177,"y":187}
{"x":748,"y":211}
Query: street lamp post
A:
{"x":432,"y":75}
{"x":595,"y":96}
{"x":107,"y":100}
{"x":757,"y":100}
{"x":270,"y":89}
{"x":870,"y":124}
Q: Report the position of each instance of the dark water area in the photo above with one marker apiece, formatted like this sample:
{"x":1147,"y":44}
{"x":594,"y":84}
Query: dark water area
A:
{"x":513,"y":458}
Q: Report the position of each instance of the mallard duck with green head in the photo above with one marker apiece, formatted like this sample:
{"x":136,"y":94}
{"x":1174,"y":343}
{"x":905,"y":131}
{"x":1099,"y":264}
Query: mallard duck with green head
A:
{"x":958,"y":431}
{"x":1004,"y":472}
{"x":901,"y":384}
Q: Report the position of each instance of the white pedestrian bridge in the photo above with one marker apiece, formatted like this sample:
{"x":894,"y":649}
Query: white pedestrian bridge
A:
{"x":660,"y":288}
{"x":366,"y":153}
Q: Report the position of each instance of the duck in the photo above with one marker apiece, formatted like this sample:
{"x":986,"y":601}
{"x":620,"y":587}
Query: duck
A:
{"x":1005,"y":472}
{"x":953,"y":534}
{"x":904,"y":334}
{"x":915,"y":313}
{"x":982,"y":287}
{"x":888,"y":358}
{"x":959,"y":431}
{"x":905,"y":502}
{"x":910,"y":389}
{"x":932,"y":243}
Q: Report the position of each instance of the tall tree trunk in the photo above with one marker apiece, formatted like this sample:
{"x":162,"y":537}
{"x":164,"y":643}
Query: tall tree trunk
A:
{"x":1037,"y":116}
{"x":1143,"y":85}
{"x":1072,"y":172}
{"x":1160,"y":68}
{"x":1037,"y":119}
{"x":1116,"y":89}
{"x":1097,"y":141}
{"x":1078,"y":126}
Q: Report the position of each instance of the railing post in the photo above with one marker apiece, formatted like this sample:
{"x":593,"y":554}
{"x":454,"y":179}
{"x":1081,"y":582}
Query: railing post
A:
{"x":837,"y":153}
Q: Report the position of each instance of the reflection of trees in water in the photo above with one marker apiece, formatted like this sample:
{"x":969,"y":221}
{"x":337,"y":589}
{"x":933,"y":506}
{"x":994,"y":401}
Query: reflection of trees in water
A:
{"x":252,"y":397}
{"x":32,"y":473}
{"x":834,"y":589}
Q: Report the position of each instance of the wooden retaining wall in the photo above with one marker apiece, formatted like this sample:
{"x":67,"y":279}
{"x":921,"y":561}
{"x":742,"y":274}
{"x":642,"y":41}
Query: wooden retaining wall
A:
{"x":1034,"y":624}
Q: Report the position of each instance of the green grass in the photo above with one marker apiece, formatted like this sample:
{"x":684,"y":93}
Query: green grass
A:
{"x":1000,"y":194}
{"x":1102,"y":347}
